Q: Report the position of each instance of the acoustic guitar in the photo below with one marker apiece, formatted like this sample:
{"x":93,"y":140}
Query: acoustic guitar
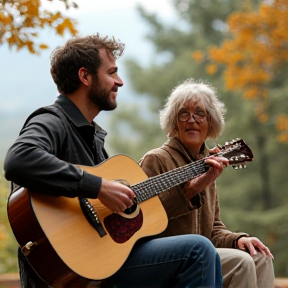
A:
{"x":63,"y":238}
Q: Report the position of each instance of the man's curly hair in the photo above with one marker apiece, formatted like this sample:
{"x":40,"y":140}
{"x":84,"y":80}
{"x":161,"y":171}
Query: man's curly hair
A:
{"x":80,"y":52}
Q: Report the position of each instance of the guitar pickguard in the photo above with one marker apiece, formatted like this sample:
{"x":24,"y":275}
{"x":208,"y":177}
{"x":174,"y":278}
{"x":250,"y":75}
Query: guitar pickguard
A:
{"x":122,"y":229}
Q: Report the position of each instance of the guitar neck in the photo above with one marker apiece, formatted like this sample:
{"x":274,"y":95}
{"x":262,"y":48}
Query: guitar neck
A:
{"x":163,"y":182}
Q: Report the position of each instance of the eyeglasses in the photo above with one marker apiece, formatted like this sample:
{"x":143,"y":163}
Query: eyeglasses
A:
{"x":185,"y":115}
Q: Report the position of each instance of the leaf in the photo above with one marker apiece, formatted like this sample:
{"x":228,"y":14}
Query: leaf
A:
{"x":21,"y":20}
{"x":43,"y":46}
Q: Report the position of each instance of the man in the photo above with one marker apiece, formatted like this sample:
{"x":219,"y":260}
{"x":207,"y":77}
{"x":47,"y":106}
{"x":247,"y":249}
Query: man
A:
{"x":56,"y":137}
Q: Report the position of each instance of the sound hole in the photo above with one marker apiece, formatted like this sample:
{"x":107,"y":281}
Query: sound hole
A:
{"x":131,"y":209}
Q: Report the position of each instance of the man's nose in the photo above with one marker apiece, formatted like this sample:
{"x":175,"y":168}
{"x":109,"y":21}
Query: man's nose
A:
{"x":118,"y":81}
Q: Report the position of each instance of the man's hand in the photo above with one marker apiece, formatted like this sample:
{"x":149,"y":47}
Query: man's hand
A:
{"x":115,"y":196}
{"x":253,"y":244}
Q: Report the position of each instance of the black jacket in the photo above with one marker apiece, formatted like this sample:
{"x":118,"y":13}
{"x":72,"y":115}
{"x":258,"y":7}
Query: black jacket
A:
{"x":58,"y":130}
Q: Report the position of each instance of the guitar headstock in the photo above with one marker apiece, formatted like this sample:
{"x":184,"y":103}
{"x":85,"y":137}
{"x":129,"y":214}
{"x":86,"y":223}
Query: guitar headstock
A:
{"x":237,"y":152}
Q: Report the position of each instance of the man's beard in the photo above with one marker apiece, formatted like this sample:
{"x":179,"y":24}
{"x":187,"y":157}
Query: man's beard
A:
{"x":100,"y":97}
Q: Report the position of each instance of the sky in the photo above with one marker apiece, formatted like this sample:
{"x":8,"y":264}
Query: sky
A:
{"x":25,"y":80}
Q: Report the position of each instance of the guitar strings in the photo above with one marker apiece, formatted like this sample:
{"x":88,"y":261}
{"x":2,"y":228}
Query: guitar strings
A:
{"x":160,"y":183}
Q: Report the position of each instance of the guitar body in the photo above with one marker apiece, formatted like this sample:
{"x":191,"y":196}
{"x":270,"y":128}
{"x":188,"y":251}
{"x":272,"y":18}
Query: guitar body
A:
{"x":61,"y":238}
{"x":68,"y":245}
{"x":43,"y":257}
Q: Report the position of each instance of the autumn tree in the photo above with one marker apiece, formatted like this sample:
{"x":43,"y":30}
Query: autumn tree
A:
{"x":21,"y":20}
{"x":255,"y":59}
{"x":253,"y":200}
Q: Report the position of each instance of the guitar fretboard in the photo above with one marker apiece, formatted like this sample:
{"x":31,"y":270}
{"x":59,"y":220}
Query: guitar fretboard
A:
{"x":163,"y":182}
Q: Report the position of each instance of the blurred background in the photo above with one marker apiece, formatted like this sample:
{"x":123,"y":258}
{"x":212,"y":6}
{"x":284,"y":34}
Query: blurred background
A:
{"x":240,"y":47}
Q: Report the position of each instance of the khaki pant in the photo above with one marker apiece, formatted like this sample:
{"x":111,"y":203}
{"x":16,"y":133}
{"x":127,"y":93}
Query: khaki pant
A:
{"x":240,"y":270}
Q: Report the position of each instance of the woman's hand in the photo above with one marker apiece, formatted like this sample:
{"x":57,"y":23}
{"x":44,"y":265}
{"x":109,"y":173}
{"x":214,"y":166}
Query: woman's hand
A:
{"x":198,"y":184}
{"x":215,"y":150}
{"x":252,"y":245}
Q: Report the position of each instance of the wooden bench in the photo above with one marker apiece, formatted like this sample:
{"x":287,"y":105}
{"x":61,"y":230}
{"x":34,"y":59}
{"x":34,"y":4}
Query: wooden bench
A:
{"x":11,"y":280}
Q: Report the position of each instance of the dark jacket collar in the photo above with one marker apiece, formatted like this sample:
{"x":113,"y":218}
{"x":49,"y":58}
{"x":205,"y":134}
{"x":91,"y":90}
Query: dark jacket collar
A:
{"x":75,"y":115}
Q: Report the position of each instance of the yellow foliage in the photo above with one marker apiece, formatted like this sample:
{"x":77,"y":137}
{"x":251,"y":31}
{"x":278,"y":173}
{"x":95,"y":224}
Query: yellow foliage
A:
{"x":282,"y":126}
{"x":282,"y":123}
{"x":66,"y":24}
{"x":255,"y":50}
{"x":263,"y":118}
{"x":198,"y":56}
{"x":21,"y":19}
{"x":251,"y":93}
{"x":5,"y":19}
{"x":258,"y":45}
{"x":32,"y":7}
{"x":211,"y":69}
{"x":43,"y":46}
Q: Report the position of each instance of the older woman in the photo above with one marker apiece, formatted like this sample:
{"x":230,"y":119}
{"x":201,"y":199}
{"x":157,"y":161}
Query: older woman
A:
{"x":192,"y":114}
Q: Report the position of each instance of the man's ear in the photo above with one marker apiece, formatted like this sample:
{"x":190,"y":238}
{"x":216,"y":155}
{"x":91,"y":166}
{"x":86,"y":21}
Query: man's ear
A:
{"x":83,"y":76}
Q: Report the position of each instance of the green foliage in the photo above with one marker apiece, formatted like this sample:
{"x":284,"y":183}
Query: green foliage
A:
{"x":253,"y":200}
{"x":8,"y":244}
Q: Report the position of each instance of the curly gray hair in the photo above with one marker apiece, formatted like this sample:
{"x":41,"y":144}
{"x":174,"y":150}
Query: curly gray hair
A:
{"x":195,"y":91}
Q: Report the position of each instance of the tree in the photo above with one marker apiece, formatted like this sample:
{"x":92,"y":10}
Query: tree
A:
{"x":20,"y":21}
{"x":257,"y":52}
{"x":172,"y":65}
{"x":251,"y":200}
{"x":255,"y":57}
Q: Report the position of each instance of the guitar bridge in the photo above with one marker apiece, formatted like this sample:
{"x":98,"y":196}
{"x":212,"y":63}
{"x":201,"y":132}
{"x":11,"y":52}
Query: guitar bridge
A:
{"x":91,"y":216}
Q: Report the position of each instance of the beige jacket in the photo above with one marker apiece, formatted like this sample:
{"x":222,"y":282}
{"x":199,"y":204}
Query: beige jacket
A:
{"x":201,"y":214}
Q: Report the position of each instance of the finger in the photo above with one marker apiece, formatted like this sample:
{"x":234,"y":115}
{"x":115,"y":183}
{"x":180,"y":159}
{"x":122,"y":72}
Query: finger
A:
{"x":215,"y":164}
{"x":215,"y":150}
{"x":130,"y":193}
{"x":261,"y":247}
{"x":250,"y":247}
{"x":266,"y":251}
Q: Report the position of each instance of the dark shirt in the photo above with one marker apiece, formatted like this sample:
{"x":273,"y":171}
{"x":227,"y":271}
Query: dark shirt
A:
{"x":58,"y":130}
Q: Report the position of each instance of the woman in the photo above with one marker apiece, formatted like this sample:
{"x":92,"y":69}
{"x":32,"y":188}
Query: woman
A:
{"x":191,"y":115}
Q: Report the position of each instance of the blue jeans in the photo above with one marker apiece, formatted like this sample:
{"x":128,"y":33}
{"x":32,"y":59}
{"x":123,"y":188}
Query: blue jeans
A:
{"x":185,"y":261}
